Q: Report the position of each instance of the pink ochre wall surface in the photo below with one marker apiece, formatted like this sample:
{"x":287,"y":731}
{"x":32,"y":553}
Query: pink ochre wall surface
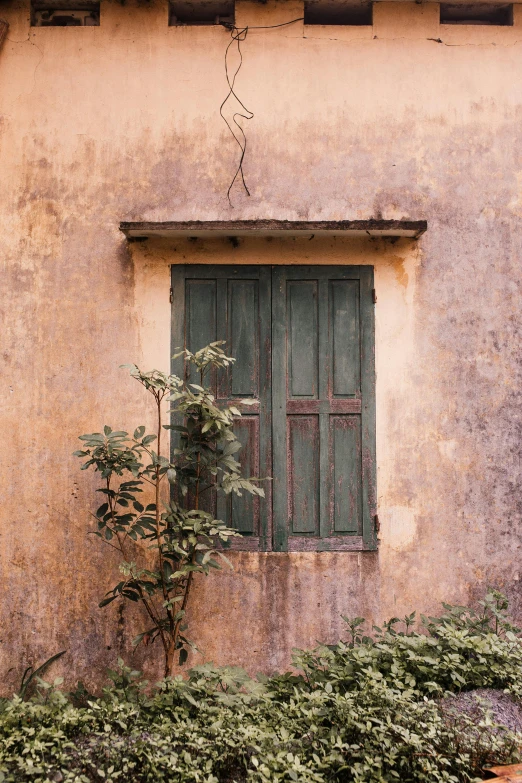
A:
{"x":406,"y":119}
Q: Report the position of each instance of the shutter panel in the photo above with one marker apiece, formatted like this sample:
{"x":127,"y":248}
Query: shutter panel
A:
{"x":232,"y":303}
{"x":323,"y":408}
{"x":305,"y":348}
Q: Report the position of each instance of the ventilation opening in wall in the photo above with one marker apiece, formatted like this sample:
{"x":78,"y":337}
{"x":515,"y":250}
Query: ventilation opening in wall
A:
{"x":203,"y":12}
{"x":345,"y":12}
{"x":65,"y":13}
{"x":476,"y":13}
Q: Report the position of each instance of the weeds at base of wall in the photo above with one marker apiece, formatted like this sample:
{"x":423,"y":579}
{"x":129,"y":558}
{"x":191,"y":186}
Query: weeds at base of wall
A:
{"x":376,"y":708}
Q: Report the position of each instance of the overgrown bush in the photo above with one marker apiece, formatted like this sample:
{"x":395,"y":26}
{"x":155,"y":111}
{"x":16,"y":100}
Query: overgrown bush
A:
{"x":367,"y":710}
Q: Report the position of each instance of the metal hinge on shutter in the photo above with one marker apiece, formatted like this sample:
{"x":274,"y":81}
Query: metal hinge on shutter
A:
{"x":374,"y":296}
{"x":171,"y":298}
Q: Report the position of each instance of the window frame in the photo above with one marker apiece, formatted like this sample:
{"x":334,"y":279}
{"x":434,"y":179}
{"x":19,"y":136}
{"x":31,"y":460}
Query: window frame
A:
{"x":274,"y":519}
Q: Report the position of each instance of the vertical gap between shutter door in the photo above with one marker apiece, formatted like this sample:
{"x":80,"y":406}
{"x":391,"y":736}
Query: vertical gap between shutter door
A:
{"x":325,"y":380}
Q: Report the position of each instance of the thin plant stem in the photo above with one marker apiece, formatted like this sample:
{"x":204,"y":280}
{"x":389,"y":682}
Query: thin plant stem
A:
{"x":158,"y":513}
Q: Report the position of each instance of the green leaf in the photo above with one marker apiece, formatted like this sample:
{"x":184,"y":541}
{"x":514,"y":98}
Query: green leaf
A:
{"x":223,"y":557}
{"x":107,"y":601}
{"x":231,"y":448}
{"x":26,"y":680}
{"x":131,"y":595}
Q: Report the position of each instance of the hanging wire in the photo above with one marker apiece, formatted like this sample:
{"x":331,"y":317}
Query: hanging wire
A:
{"x":238,"y":35}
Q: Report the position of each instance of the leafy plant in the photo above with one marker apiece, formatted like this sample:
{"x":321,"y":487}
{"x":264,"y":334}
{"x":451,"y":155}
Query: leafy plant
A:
{"x":184,"y":538}
{"x":31,"y":675}
{"x":460,"y":650}
{"x":373,"y":709}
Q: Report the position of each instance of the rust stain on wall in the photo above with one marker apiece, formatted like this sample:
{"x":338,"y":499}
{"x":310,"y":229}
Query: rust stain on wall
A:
{"x":401,"y":274}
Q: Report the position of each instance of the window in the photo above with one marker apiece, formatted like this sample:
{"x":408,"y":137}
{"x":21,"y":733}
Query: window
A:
{"x":206,"y":12}
{"x":476,"y":13}
{"x":303,"y":338}
{"x":338,"y":12}
{"x":60,"y":13}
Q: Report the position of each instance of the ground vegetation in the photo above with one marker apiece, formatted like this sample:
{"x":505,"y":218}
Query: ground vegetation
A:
{"x":383,"y":705}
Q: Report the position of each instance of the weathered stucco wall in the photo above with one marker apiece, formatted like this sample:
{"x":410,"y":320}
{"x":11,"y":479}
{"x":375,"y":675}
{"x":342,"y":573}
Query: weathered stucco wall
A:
{"x":121,"y":122}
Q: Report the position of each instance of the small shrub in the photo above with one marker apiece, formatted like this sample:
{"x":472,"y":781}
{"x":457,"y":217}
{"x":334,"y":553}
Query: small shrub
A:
{"x":461,"y":650}
{"x":183,"y":539}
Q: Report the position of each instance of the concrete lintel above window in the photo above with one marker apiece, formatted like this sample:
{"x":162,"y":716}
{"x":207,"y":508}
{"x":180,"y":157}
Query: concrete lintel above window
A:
{"x":275,"y":228}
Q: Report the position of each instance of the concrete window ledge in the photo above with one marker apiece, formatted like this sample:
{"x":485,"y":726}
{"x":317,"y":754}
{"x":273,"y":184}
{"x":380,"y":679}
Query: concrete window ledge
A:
{"x":275,"y":228}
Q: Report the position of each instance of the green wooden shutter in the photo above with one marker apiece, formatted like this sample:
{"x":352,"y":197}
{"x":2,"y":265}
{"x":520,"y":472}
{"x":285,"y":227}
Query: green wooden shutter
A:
{"x":305,"y":349}
{"x":323,"y":408}
{"x":232,"y":303}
